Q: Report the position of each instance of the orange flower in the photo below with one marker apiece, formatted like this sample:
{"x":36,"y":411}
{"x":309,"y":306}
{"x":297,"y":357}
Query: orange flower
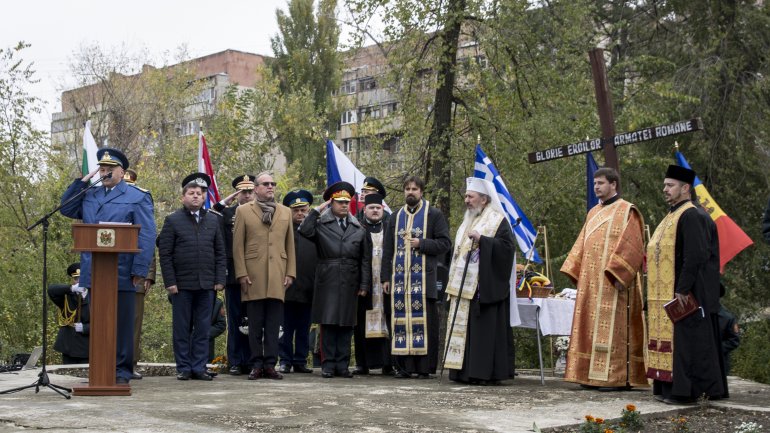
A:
{"x":609,"y":430}
{"x":600,"y":420}
{"x":589,"y":418}
{"x":630,"y":408}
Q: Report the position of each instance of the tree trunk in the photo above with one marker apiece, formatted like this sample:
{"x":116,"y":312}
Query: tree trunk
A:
{"x":440,"y":139}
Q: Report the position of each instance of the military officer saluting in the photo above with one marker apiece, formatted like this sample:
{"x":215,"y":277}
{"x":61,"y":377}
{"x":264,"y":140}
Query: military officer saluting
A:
{"x":238,"y":351}
{"x":116,"y":201}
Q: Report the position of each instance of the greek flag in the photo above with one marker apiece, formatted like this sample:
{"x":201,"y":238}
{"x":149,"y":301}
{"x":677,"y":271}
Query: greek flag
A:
{"x":524,"y":232}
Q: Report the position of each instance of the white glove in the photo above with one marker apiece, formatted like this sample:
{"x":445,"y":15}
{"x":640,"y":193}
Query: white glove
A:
{"x":244,"y":330}
{"x":78,"y":327}
{"x":83,"y":291}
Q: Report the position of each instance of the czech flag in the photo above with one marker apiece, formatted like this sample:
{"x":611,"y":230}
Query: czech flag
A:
{"x":204,"y":166}
{"x":732,"y":240}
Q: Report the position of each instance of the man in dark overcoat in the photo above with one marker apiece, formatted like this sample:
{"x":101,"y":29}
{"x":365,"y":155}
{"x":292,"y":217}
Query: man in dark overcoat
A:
{"x":295,"y":341}
{"x":193,"y":263}
{"x":342,"y":275}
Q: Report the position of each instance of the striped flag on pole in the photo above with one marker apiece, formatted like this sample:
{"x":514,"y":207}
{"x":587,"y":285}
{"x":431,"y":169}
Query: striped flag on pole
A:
{"x":204,"y":166}
{"x":89,"y":153}
{"x":525,"y":233}
{"x":732,"y":239}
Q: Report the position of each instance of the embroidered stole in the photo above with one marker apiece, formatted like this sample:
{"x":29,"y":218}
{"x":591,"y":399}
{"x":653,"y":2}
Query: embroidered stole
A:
{"x":410,"y":330}
{"x":376,"y":326}
{"x":660,"y":289}
{"x":486,"y":224}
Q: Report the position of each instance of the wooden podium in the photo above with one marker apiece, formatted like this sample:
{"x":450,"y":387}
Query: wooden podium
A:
{"x":104,"y":242}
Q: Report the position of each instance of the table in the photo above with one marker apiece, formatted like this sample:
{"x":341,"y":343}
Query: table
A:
{"x":547,"y":316}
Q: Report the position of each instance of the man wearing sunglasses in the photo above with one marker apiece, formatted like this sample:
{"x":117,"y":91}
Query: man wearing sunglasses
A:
{"x":263,"y":256}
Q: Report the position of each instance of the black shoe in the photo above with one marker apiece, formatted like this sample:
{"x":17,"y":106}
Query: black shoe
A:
{"x":285,"y":368}
{"x":423,"y":376}
{"x":201,"y":376}
{"x":255,"y":374}
{"x":136,"y":376}
{"x":270,"y":373}
{"x":184,"y":375}
{"x":388,"y":370}
{"x":212,"y":373}
{"x":402,"y":375}
{"x":302,"y":369}
{"x":345,"y":373}
{"x":245,"y":369}
{"x":359,"y":371}
{"x":588,"y":386}
{"x":121,"y":381}
{"x":327,"y":374}
{"x":659,"y":398}
{"x":235,"y":370}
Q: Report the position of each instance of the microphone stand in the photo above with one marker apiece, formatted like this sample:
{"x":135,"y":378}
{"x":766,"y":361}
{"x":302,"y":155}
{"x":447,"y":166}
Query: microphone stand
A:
{"x":43,"y":380}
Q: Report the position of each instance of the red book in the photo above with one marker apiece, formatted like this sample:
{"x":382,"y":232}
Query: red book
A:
{"x":678,"y":310}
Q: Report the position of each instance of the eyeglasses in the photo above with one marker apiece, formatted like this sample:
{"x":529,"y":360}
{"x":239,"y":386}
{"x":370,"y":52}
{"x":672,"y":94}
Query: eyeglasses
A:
{"x":268,"y":184}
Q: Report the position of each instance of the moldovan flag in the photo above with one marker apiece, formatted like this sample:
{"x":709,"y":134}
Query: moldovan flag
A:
{"x":204,"y":166}
{"x":732,"y":240}
{"x":89,"y":153}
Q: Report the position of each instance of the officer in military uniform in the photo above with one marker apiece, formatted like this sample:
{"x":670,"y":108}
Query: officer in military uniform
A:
{"x":116,"y":201}
{"x":238,"y":351}
{"x":371,"y":185}
{"x":74,"y":319}
{"x":142,"y":290}
{"x":295,"y":341}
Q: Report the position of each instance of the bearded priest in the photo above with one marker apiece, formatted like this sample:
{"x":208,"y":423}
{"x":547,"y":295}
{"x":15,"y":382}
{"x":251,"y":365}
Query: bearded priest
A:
{"x":479,"y":289}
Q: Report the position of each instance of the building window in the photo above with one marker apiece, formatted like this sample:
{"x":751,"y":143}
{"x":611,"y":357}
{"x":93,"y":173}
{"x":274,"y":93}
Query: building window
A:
{"x":368,"y":84}
{"x":348,"y":117}
{"x":348,"y":87}
{"x":348,"y":144}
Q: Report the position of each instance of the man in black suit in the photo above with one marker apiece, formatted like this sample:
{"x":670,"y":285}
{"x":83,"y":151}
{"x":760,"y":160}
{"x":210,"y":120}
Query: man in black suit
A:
{"x":238,"y":352}
{"x":193,"y":262}
{"x":74,"y":318}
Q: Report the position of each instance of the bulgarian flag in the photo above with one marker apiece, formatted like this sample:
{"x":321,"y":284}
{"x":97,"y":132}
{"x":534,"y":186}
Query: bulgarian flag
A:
{"x":89,"y":153}
{"x":204,"y":166}
{"x":732,"y":240}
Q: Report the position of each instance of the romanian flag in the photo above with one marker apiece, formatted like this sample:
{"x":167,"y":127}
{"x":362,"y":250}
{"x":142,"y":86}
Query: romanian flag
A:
{"x":204,"y":166}
{"x":732,"y":240}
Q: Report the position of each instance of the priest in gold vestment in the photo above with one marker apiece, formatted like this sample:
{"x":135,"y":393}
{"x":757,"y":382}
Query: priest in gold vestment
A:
{"x":606,"y":343}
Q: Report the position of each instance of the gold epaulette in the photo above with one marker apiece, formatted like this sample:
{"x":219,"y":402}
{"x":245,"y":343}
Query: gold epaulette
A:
{"x":147,"y":191}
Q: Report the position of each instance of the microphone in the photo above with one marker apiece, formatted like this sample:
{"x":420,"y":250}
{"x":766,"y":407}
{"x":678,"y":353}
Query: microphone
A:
{"x":109,"y":176}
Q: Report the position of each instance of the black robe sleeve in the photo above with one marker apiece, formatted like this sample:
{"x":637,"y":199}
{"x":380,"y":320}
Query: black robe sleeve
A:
{"x":495,"y":265}
{"x":439,"y":243}
{"x":388,"y":246}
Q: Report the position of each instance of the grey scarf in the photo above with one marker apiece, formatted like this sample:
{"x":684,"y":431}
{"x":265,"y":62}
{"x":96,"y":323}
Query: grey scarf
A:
{"x":268,"y":209}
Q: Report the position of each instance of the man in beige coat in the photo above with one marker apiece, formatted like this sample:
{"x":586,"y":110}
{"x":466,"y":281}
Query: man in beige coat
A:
{"x":263,"y":256}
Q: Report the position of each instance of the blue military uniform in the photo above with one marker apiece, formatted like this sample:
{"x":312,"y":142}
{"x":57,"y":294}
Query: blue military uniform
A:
{"x":124,"y":204}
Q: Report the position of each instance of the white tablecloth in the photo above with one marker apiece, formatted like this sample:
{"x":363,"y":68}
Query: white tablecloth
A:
{"x":555,"y":314}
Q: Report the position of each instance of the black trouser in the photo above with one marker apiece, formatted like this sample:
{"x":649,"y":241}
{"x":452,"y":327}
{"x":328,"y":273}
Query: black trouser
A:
{"x":335,"y":348}
{"x":265,"y":318}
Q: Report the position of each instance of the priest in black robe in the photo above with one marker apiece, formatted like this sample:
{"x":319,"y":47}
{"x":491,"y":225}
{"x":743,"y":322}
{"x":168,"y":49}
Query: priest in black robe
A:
{"x":483,"y":293}
{"x":692,"y":366}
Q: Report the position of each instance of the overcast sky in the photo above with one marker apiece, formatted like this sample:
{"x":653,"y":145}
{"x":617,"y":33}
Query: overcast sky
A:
{"x":56,"y":28}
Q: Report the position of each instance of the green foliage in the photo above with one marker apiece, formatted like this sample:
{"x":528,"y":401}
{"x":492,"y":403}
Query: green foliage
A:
{"x":752,"y":360}
{"x":306,"y":70}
